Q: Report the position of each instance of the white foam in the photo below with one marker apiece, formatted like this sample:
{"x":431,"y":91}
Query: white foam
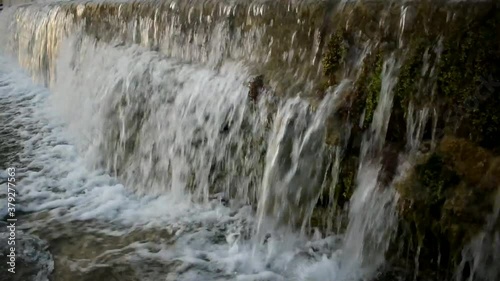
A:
{"x":65,"y":185}
{"x":65,"y":135}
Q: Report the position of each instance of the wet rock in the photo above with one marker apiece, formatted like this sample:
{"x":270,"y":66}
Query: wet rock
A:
{"x":390,"y":163}
{"x":110,"y":273}
{"x":256,"y":86}
{"x":446,"y":198}
{"x":470,"y":161}
{"x":266,"y":238}
{"x":33,"y":261}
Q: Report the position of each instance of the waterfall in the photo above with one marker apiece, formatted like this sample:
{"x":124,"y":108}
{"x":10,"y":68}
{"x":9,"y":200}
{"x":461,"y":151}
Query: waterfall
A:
{"x":245,"y":140}
{"x":372,"y":214}
{"x":291,"y":185}
{"x":482,"y":254}
{"x":142,"y":106}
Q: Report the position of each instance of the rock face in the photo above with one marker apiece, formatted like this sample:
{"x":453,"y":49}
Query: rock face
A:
{"x":450,"y":68}
{"x":444,"y":111}
{"x":33,"y":261}
{"x":446,"y":199}
{"x":256,"y":87}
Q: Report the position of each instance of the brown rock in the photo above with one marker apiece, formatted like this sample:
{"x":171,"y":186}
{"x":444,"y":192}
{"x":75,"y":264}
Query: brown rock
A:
{"x":256,"y":86}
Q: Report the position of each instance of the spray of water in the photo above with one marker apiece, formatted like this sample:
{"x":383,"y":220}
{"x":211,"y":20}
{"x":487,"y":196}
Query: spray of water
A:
{"x":482,"y":255}
{"x":148,"y":125}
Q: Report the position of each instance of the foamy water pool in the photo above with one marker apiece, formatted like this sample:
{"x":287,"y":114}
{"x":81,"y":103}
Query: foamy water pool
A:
{"x":96,"y":228}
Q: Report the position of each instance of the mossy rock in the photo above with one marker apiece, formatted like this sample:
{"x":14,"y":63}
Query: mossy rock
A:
{"x":469,"y":75}
{"x":447,"y":196}
{"x":346,"y":181}
{"x":470,"y":161}
{"x":334,"y":56}
{"x":373,"y":88}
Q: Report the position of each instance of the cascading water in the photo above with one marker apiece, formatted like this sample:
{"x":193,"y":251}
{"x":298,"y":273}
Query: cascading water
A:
{"x":372,"y":212}
{"x":143,"y":106}
{"x":291,"y":185}
{"x":185,"y":140}
{"x":481,"y":256}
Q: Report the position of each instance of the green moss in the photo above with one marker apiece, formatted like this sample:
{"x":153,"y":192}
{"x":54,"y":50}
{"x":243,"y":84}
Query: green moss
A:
{"x":467,"y":79}
{"x":468,"y":160}
{"x":448,"y":64}
{"x":410,"y":75}
{"x":372,"y":90}
{"x":434,"y":178}
{"x":346,"y":181}
{"x":334,"y":55}
{"x":445,"y":199}
{"x":364,"y":98}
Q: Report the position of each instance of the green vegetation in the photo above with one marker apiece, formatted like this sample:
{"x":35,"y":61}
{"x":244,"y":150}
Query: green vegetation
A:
{"x":447,"y":196}
{"x":468,"y":76}
{"x":334,"y":56}
{"x":452,"y":67}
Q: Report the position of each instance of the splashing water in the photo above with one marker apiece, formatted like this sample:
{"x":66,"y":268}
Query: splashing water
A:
{"x":481,"y":256}
{"x":296,"y":142}
{"x":146,"y":149}
{"x":209,"y":238}
{"x":191,"y":129}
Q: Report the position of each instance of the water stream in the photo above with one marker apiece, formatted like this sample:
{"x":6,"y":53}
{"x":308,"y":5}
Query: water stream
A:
{"x":141,"y":155}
